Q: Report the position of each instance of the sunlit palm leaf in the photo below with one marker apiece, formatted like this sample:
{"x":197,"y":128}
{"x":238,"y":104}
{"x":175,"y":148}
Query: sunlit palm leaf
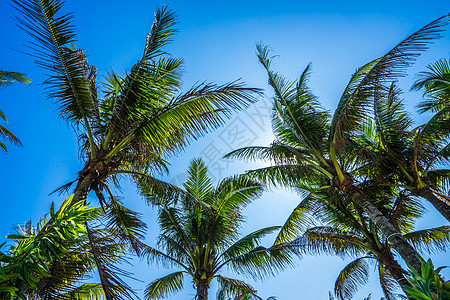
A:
{"x":431,"y":240}
{"x":164,"y":286}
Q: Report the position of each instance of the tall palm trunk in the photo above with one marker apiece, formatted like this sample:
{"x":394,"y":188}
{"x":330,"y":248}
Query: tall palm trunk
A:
{"x":202,"y":290}
{"x":442,"y":207}
{"x":398,"y":242}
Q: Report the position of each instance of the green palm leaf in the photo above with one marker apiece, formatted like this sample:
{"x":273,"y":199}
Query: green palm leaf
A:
{"x":431,"y":240}
{"x":230,"y":288}
{"x":351,"y":278}
{"x":164,"y":286}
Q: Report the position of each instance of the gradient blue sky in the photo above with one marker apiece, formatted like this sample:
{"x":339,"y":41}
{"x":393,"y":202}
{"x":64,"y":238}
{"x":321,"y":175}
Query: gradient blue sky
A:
{"x":217,"y":40}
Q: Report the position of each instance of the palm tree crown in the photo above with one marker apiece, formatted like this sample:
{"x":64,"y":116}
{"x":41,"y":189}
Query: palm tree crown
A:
{"x":314,"y":149}
{"x":200,"y":236}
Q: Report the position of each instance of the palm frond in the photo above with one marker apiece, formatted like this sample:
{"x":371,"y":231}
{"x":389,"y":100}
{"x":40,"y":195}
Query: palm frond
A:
{"x":235,"y":289}
{"x":198,"y":184}
{"x":351,"y":278}
{"x":164,"y":286}
{"x":10,"y":137}
{"x":87,"y":291}
{"x":298,"y":221}
{"x":8,"y":78}
{"x":53,"y":34}
{"x":106,"y":253}
{"x":435,"y":84}
{"x":431,"y":240}
{"x":277,"y":153}
{"x":368,"y":81}
{"x":248,"y":242}
{"x":388,"y":284}
{"x":161,"y":32}
{"x":127,"y":224}
{"x":330,"y":240}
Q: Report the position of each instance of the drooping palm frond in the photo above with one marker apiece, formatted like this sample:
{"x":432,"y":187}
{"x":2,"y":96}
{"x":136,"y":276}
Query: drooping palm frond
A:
{"x":351,"y":278}
{"x":388,"y":284}
{"x":5,"y":134}
{"x":234,"y":289}
{"x":164,"y":286}
{"x":369,"y":81}
{"x":125,"y":223}
{"x":8,"y":78}
{"x":107,"y":253}
{"x":298,"y":221}
{"x":157,"y":192}
{"x":330,"y":240}
{"x":262,"y":262}
{"x":288,"y":175}
{"x":277,"y":152}
{"x":440,"y":178}
{"x":53,"y":34}
{"x":431,"y":240}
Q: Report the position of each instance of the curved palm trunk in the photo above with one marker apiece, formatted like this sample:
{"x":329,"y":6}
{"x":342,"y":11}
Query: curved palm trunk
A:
{"x":442,"y":207}
{"x":398,"y":242}
{"x":202,"y":290}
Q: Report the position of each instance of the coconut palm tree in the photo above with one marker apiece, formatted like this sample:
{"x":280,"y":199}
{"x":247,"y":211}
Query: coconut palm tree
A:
{"x":199,"y":235}
{"x":311,"y":146}
{"x":140,"y":118}
{"x":346,"y":231}
{"x":133,"y":122}
{"x":429,"y":148}
{"x":6,"y":79}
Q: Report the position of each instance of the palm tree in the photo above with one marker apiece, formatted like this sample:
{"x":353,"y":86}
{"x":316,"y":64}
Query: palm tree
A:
{"x":311,"y":146}
{"x":200,"y":236}
{"x":347,"y":232}
{"x":6,"y":79}
{"x":429,"y":146}
{"x":134,"y":122}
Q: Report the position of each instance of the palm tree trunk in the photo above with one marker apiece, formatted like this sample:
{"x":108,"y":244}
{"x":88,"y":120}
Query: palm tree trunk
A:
{"x":398,"y":242}
{"x":442,"y":207}
{"x":202,"y":290}
{"x":83,"y":188}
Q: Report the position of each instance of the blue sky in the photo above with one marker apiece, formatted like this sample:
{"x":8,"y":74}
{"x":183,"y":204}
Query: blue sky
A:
{"x":217,"y":41}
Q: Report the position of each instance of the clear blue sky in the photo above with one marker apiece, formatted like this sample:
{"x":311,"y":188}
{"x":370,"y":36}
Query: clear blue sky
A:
{"x":217,"y":40}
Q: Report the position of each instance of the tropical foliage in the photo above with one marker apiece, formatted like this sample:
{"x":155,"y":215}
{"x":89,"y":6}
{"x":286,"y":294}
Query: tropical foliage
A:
{"x":315,"y":149}
{"x":361,"y":170}
{"x":50,"y":260}
{"x":130,"y":123}
{"x":6,"y":79}
{"x":428,"y":285}
{"x":346,"y":231}
{"x":200,"y":236}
